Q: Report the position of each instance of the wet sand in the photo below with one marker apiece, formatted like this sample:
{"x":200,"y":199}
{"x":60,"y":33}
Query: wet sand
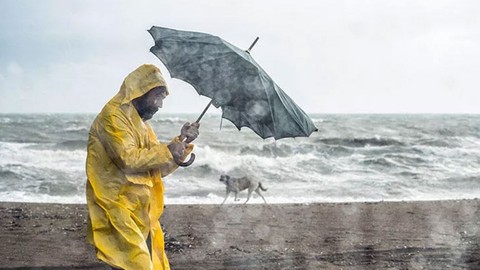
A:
{"x":384,"y":235}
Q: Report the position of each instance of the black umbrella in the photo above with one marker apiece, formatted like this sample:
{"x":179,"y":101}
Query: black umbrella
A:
{"x":233,"y":80}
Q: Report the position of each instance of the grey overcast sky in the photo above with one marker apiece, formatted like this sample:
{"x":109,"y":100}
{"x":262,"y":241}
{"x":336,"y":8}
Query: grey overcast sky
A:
{"x":330,"y":56}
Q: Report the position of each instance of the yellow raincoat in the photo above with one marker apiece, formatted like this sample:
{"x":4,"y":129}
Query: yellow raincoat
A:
{"x":125,"y":165}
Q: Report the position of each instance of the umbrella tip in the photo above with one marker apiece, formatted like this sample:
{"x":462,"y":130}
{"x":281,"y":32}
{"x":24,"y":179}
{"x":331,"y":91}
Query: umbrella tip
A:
{"x":251,"y":46}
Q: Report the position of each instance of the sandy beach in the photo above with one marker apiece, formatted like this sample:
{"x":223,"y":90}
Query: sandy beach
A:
{"x":383,"y":235}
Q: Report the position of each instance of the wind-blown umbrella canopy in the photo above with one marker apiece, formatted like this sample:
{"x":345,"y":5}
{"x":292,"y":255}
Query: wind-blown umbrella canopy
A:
{"x":233,"y":80}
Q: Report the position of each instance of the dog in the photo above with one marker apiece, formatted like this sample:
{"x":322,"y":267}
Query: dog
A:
{"x":238,"y":184}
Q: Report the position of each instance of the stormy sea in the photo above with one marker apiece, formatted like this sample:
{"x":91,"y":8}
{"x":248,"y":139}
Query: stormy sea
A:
{"x":351,"y":158}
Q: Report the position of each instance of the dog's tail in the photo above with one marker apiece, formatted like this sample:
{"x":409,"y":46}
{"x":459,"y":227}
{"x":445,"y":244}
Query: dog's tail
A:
{"x":261,"y":187}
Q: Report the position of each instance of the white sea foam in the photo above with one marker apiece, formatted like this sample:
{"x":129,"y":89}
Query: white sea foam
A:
{"x":26,"y":155}
{"x":75,"y":128}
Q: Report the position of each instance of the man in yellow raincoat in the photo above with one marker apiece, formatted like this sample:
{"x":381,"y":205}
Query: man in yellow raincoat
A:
{"x":125,"y":165}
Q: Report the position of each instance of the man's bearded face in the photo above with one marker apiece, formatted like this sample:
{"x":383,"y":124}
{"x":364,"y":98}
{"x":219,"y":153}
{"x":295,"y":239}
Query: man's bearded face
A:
{"x":148,"y":104}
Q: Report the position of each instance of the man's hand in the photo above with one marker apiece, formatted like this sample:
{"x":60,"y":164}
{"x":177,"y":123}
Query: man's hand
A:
{"x":189,"y":131}
{"x":177,"y":150}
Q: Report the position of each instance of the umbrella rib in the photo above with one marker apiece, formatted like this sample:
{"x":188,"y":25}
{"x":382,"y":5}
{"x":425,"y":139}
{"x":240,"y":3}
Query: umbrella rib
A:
{"x":269,"y":105}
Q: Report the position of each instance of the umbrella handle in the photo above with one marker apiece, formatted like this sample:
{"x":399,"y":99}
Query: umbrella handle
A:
{"x":188,"y":163}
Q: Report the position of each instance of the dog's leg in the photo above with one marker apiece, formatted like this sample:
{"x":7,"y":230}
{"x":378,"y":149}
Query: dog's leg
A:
{"x":236,"y":194}
{"x":249,"y":194}
{"x":226,"y":196}
{"x":258,"y":192}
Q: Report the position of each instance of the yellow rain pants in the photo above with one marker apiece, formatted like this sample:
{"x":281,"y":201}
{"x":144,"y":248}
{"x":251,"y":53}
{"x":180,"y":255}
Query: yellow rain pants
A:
{"x":125,"y":165}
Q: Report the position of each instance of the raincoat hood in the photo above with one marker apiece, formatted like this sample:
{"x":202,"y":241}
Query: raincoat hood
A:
{"x":139,"y":82}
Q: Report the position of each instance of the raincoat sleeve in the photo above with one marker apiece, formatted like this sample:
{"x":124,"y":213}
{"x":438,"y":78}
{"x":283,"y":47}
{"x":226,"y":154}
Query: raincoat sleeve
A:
{"x":124,"y":149}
